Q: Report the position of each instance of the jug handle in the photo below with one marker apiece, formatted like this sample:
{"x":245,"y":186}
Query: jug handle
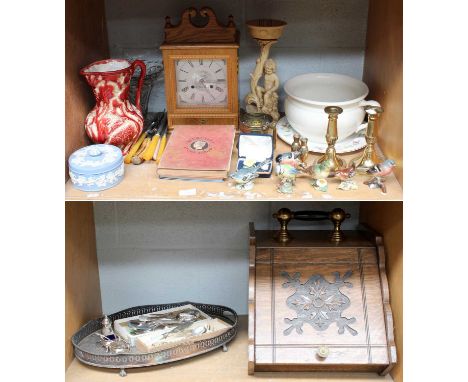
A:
{"x":142,"y":66}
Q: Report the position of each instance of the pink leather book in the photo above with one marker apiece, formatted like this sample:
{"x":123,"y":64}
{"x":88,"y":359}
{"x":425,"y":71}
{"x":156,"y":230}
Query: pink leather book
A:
{"x":198,"y":152}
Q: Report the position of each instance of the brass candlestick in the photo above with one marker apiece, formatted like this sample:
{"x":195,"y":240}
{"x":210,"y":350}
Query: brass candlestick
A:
{"x":335,"y":162}
{"x":369,"y":157}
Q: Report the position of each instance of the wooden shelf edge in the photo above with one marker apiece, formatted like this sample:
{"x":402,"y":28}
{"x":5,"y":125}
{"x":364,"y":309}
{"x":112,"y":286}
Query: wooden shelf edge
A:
{"x":141,"y":183}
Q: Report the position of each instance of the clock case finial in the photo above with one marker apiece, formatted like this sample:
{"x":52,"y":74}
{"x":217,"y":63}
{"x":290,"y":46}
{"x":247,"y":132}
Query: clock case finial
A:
{"x":213,"y":31}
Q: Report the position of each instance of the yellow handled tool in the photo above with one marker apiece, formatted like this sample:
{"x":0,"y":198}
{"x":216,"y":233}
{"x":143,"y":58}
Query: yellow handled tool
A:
{"x":150,"y":149}
{"x":162,"y":141}
{"x":134,"y":148}
{"x":155,"y":134}
{"x":162,"y":146}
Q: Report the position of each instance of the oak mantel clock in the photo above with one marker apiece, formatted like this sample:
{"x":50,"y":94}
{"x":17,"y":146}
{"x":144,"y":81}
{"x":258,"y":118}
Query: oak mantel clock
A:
{"x":201,"y":67}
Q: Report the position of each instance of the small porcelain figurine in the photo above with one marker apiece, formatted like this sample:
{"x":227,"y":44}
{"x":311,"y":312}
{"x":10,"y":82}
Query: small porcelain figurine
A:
{"x":287,"y":175}
{"x":379,"y":172}
{"x":320,"y":185}
{"x":245,"y":176}
{"x":377,"y":182}
{"x":345,"y":175}
{"x":382,"y":169}
{"x":288,"y":166}
{"x":348,"y":185}
{"x":291,"y":158}
{"x":319,"y":170}
{"x":320,"y":173}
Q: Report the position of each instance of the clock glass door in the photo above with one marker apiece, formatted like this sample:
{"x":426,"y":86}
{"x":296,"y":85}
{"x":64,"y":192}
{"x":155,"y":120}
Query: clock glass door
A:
{"x":201,"y":82}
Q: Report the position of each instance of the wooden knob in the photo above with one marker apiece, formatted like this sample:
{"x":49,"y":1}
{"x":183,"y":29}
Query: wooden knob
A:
{"x":323,"y":351}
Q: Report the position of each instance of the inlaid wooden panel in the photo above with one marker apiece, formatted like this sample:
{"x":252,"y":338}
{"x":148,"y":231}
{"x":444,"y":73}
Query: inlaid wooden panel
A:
{"x":280,"y":274}
{"x":273,"y":346}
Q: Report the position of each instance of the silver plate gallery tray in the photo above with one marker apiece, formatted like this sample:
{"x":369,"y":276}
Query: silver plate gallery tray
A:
{"x":90,"y":352}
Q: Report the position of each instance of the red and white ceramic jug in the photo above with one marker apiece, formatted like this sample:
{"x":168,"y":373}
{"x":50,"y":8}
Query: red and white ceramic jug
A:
{"x":114,"y":120}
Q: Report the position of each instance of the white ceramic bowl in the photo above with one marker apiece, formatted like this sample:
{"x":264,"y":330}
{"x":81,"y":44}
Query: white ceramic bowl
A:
{"x":308,"y":94}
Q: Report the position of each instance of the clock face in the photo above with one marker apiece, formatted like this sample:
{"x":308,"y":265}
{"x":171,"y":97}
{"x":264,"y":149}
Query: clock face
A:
{"x":201,"y":82}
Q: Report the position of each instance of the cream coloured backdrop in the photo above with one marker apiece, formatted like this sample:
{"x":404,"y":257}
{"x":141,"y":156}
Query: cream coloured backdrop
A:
{"x":159,"y":252}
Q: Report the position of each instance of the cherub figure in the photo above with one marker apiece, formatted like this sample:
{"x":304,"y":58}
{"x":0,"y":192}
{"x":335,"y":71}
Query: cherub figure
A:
{"x":268,"y":94}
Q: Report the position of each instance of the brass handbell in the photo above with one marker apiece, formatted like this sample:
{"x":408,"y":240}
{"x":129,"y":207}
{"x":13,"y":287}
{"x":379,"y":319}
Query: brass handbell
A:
{"x":369,"y":158}
{"x":335,"y":162}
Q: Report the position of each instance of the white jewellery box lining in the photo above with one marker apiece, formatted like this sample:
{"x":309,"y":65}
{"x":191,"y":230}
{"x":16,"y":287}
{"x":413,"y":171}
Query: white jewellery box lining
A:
{"x":255,"y":148}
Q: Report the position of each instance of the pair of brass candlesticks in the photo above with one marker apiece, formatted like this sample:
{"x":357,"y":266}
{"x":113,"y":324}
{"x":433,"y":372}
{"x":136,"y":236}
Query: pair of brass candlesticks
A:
{"x":368,"y":158}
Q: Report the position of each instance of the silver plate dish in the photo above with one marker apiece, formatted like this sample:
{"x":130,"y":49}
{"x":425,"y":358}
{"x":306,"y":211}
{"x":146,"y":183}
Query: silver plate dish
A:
{"x":89,"y":351}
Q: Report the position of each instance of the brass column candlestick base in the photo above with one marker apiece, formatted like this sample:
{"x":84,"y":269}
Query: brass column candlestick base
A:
{"x":369,"y":158}
{"x":335,"y":162}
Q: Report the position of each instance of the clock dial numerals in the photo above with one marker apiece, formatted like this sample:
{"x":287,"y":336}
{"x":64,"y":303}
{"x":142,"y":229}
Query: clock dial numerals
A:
{"x":201,"y":82}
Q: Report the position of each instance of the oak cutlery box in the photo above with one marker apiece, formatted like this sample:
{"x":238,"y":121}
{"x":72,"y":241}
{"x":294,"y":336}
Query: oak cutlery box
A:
{"x":315,"y":305}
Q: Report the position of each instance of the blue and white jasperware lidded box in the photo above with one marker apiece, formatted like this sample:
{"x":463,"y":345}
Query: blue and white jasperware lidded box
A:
{"x":96,"y":167}
{"x":254,"y":149}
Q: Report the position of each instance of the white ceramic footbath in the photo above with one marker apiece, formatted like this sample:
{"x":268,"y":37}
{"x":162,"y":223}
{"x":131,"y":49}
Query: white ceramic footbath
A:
{"x":308,"y":94}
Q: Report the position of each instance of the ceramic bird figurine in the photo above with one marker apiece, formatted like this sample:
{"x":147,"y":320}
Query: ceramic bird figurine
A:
{"x":320,"y":170}
{"x":245,"y":176}
{"x":287,"y":174}
{"x":291,"y":158}
{"x":345,"y":173}
{"x":319,"y":173}
{"x":348,"y":185}
{"x":320,"y":185}
{"x":382,"y":169}
{"x":377,"y":182}
{"x":288,"y":166}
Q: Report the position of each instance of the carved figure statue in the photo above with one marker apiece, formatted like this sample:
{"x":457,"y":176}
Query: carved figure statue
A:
{"x":267,"y":95}
{"x":265,"y":98}
{"x":265,"y":32}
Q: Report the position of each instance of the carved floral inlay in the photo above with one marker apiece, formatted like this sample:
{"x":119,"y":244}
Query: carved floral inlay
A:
{"x":318,"y":302}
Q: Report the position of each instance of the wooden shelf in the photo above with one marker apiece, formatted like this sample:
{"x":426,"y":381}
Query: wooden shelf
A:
{"x":212,"y":366}
{"x":142,"y":183}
